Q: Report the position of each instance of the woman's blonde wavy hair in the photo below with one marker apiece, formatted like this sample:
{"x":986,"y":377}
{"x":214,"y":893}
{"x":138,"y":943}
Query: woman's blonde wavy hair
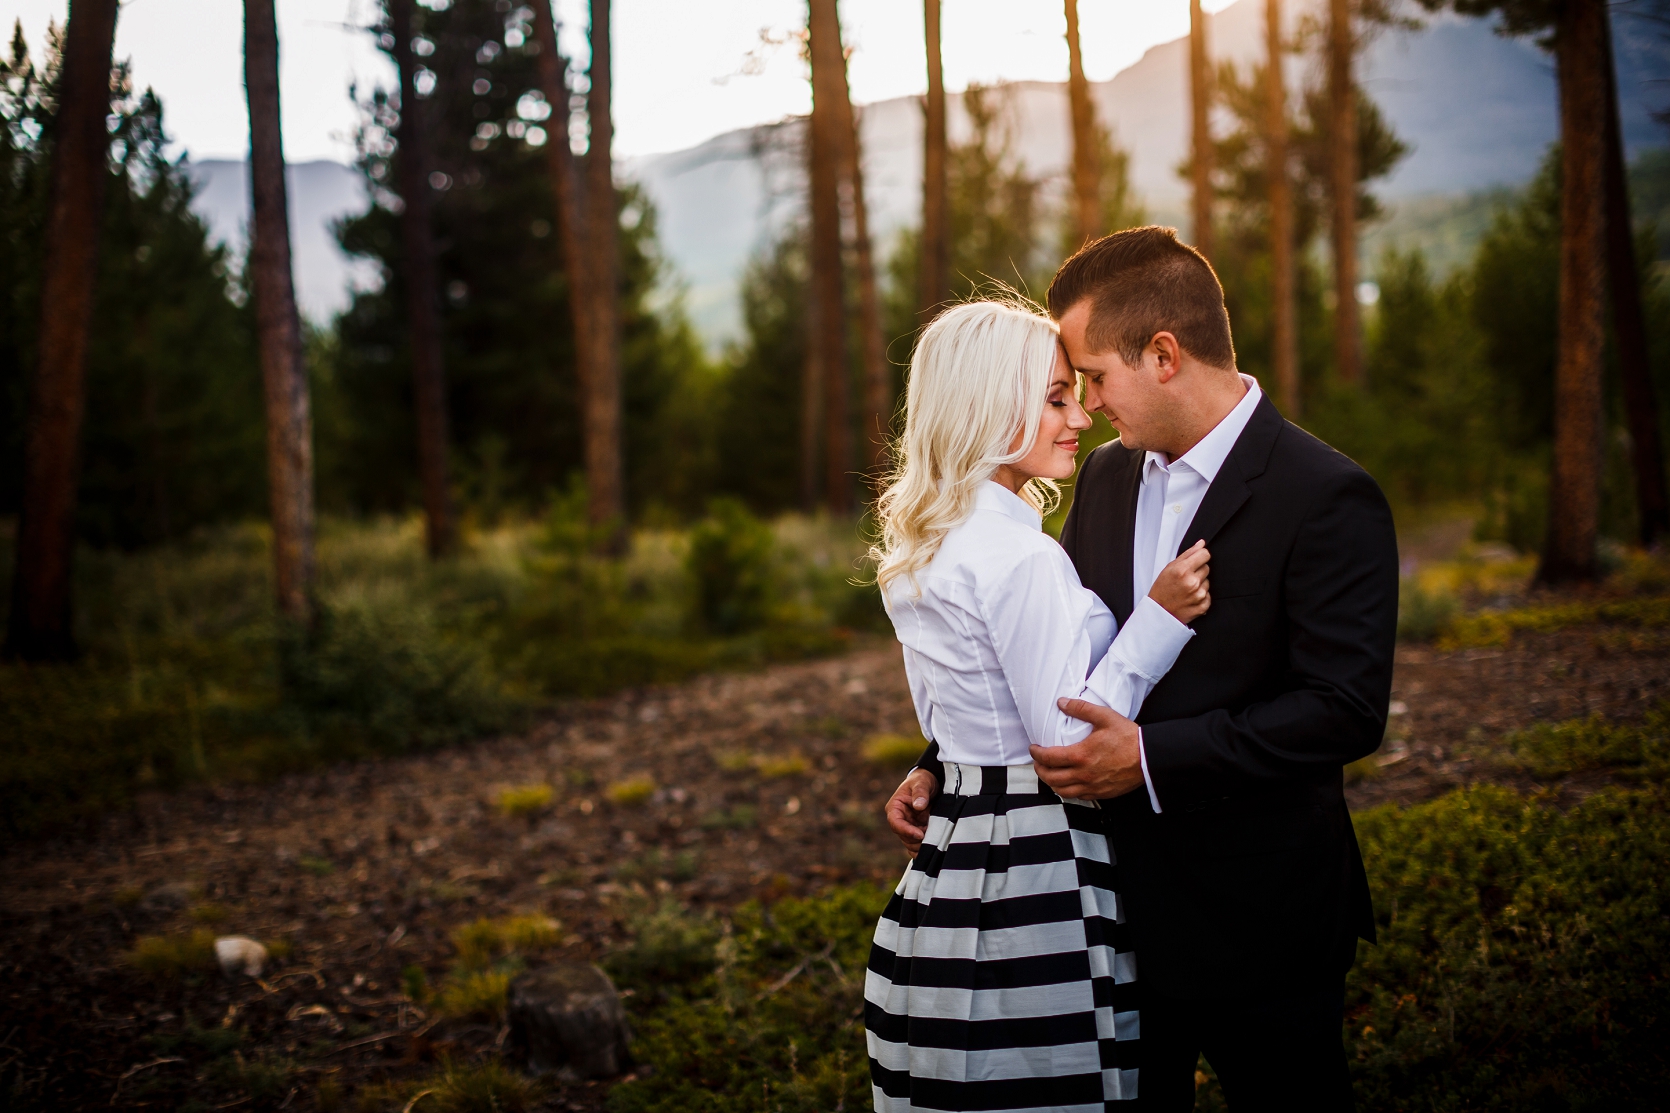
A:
{"x":979,"y":376}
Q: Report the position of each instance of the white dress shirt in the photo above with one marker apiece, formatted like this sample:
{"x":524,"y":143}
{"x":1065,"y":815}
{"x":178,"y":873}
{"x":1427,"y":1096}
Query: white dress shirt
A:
{"x":1168,"y":500}
{"x":1002,"y":628}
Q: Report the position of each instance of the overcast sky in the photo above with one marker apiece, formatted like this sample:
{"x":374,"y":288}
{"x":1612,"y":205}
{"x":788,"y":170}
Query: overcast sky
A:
{"x":679,"y":66}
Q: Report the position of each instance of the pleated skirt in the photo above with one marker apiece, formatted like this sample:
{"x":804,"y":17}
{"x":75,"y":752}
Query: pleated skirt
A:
{"x":1002,"y":975}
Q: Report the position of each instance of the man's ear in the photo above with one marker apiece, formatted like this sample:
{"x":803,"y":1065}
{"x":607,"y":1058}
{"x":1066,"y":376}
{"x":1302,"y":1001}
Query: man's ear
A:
{"x":1168,"y":354}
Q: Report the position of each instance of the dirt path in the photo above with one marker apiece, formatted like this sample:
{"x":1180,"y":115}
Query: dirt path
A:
{"x":365,"y":869}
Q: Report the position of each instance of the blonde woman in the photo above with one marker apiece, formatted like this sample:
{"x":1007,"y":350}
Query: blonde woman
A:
{"x":1001,"y":976}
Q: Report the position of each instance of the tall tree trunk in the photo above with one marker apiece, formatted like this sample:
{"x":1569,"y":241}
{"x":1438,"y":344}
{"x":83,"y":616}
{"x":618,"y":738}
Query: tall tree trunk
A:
{"x":277,"y":324}
{"x":423,"y":324}
{"x":828,"y":154}
{"x":1640,"y":401}
{"x":39,"y":627}
{"x":878,"y":383}
{"x":605,"y":478}
{"x":1087,"y":171}
{"x":1342,"y":187}
{"x":1284,"y":332}
{"x":596,"y":328}
{"x":1200,"y":103}
{"x":936,"y":195}
{"x":1574,"y":487}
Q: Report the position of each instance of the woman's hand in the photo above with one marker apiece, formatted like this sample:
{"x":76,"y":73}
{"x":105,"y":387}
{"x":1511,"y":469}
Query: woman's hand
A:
{"x":1182,"y":587}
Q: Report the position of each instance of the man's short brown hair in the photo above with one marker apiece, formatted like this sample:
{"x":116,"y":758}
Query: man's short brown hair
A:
{"x":1142,"y":281}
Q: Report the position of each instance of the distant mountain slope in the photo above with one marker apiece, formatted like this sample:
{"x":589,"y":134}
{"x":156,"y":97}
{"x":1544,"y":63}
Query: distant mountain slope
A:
{"x":1478,"y":110}
{"x":320,"y":193}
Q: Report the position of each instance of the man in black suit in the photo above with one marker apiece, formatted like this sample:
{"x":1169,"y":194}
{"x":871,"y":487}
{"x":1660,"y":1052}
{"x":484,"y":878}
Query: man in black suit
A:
{"x":1238,"y":865}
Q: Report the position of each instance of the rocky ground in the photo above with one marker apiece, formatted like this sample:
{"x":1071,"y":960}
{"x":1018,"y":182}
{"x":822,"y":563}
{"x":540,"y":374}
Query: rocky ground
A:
{"x":760,"y":790}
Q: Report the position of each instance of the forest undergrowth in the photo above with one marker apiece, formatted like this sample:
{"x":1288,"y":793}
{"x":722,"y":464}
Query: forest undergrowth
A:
{"x":189,"y":675}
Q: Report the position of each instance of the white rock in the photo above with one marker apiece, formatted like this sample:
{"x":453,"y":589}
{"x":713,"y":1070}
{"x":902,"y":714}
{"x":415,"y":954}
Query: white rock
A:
{"x":240,"y":954}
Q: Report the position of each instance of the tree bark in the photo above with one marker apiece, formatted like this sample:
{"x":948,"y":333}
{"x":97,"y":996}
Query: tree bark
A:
{"x":605,"y":478}
{"x":1200,"y":103}
{"x":40,"y":624}
{"x":1087,"y":171}
{"x":936,"y":203}
{"x":1574,"y":486}
{"x":829,"y":140}
{"x":589,"y":254}
{"x":1640,"y":401}
{"x":1342,"y":187}
{"x":423,"y":324}
{"x":1284,"y":308}
{"x":277,"y":324}
{"x":878,"y":383}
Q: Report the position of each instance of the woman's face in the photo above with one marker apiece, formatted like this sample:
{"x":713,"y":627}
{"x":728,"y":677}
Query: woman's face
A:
{"x":1054,"y":452}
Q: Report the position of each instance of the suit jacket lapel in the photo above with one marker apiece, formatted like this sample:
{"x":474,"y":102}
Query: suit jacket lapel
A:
{"x":1123,"y":536}
{"x":1246,"y":461}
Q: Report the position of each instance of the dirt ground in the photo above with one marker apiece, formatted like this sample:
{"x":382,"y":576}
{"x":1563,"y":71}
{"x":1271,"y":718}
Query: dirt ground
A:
{"x":366,"y":868}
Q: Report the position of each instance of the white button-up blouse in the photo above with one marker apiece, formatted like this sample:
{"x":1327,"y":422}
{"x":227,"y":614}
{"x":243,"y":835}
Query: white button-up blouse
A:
{"x":998,"y":627}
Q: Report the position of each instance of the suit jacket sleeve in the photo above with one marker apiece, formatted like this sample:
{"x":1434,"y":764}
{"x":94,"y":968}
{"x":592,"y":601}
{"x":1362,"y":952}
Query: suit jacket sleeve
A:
{"x":1340,"y":595}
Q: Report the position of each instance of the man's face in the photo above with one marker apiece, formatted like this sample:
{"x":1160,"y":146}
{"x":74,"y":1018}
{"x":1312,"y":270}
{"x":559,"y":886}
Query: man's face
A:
{"x":1129,"y":396}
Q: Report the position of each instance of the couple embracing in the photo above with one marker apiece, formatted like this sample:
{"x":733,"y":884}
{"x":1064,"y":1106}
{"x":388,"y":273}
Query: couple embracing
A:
{"x":1130,"y":839}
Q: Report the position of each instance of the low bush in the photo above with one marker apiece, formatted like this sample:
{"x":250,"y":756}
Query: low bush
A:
{"x":893,"y":751}
{"x":525,"y":801}
{"x":172,"y":957}
{"x":1522,"y":957}
{"x":631,"y":792}
{"x":1521,"y":964}
{"x":769,"y":1017}
{"x":1498,"y":627}
{"x":189,"y":675}
{"x":1551,"y":750}
{"x":487,"y":1087}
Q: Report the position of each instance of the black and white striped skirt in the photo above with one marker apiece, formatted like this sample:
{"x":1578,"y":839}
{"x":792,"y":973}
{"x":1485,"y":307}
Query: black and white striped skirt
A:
{"x":1002,"y":975}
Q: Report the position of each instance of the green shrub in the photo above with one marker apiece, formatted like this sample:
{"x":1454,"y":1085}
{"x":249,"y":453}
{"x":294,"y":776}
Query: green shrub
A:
{"x":772,"y":1022}
{"x":483,"y":942}
{"x":1522,"y":957}
{"x":1498,"y":627}
{"x":669,"y":947}
{"x":171,"y":957}
{"x":893,"y":751}
{"x":477,"y":995}
{"x":488,"y":1087}
{"x":732,"y":563}
{"x":631,"y":792}
{"x":524,"y":801}
{"x":1550,"y":750}
{"x":1423,"y":615}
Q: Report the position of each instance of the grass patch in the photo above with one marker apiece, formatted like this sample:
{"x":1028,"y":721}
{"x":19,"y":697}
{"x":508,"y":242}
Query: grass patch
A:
{"x":489,"y":953}
{"x":1521,"y":966}
{"x":765,"y":1015}
{"x":189,"y":675}
{"x":1551,"y":750}
{"x":1498,"y":627}
{"x":739,"y":817}
{"x":169,"y":958}
{"x":656,"y":864}
{"x":893,"y":751}
{"x":781,"y":765}
{"x":524,"y":801}
{"x":489,"y":1087}
{"x":630,"y":792}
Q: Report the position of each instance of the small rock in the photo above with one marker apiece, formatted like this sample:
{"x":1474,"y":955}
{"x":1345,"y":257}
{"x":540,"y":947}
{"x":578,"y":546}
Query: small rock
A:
{"x":239,"y":954}
{"x":567,"y":1019}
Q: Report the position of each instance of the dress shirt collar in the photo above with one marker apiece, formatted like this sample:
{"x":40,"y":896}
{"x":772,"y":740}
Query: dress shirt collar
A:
{"x":992,"y":495}
{"x":1207,"y":457}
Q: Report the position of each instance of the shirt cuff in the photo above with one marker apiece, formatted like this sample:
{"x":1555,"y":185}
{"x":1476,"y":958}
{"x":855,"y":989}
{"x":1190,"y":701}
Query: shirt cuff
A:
{"x":1150,"y":640}
{"x":1148,"y":783}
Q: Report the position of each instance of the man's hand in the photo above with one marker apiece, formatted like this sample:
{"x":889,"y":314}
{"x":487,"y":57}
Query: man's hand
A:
{"x":907,"y":811}
{"x":1106,"y":764}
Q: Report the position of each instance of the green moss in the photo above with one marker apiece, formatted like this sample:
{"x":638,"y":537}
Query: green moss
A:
{"x":171,"y":957}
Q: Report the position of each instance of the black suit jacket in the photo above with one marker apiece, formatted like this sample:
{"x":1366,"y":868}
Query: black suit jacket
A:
{"x":1250,"y":879}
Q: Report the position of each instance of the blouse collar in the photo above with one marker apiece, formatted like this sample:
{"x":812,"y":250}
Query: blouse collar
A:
{"x":993,"y":495}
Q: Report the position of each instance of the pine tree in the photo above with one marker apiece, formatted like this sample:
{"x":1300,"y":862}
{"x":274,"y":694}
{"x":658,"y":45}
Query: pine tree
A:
{"x":278,"y":325}
{"x":422,"y":289}
{"x":828,"y":154}
{"x":39,"y":626}
{"x":1200,"y":106}
{"x":935,"y":260}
